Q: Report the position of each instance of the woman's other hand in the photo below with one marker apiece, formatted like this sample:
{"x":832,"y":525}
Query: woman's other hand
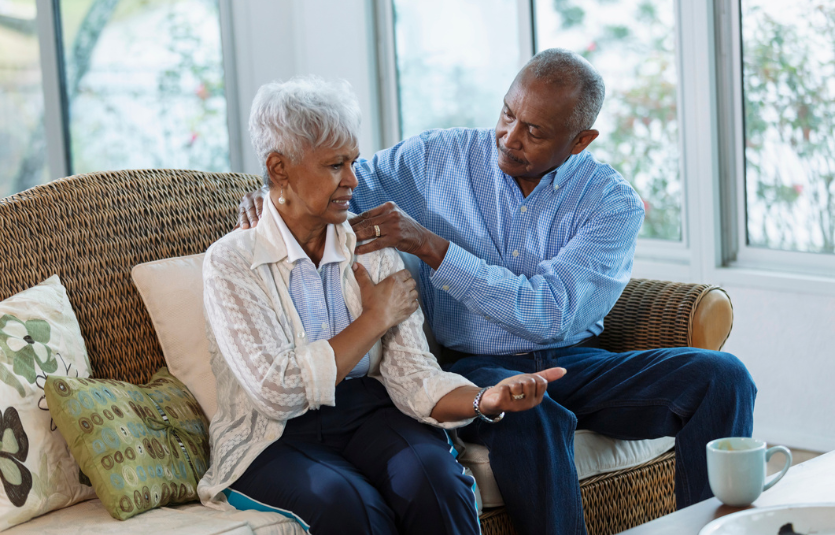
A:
{"x":251,"y":208}
{"x":390,"y":301}
{"x":528,"y":389}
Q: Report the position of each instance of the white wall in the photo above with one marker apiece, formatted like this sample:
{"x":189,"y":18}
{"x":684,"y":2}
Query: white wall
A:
{"x":787,"y":341}
{"x":785,"y":338}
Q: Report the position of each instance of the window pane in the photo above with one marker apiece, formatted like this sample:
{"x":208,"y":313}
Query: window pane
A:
{"x":788,"y":63}
{"x":632,"y":44}
{"x":144,"y":80}
{"x":455,"y":61}
{"x":22,"y":138}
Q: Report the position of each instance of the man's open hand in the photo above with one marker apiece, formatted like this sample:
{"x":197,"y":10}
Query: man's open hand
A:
{"x":520,"y":392}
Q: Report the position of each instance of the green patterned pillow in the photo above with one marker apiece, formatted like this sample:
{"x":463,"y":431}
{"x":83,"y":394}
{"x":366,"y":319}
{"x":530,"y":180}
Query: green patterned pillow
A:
{"x":141,"y":446}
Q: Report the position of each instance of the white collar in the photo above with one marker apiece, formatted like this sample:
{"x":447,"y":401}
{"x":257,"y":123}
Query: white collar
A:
{"x":295,"y":251}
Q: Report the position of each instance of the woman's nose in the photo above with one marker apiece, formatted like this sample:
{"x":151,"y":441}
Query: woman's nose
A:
{"x":350,"y":179}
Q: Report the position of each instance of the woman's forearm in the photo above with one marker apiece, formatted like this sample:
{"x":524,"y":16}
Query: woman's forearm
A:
{"x":457,"y":405}
{"x":350,"y":345}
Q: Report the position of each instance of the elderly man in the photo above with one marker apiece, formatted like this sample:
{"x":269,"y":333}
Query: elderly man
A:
{"x":527,"y":243}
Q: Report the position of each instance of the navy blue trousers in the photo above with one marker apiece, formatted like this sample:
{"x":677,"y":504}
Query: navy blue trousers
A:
{"x":692,"y":394}
{"x":361,"y":467}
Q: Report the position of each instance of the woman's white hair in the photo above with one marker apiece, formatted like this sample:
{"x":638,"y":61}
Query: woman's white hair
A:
{"x":304,"y":113}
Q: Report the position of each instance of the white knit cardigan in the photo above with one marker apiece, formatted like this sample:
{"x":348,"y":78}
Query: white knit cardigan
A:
{"x":267,"y":372}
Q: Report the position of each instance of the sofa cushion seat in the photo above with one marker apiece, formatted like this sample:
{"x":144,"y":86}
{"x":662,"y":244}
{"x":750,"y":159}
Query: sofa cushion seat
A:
{"x":91,"y":518}
{"x":593,"y":455}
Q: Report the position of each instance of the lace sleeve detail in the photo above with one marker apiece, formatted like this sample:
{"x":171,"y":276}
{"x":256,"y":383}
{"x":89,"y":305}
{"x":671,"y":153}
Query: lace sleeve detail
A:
{"x":255,"y":339}
{"x":412,"y":376}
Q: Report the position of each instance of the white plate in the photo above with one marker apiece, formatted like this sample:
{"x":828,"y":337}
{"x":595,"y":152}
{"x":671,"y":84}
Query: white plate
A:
{"x":806,"y":519}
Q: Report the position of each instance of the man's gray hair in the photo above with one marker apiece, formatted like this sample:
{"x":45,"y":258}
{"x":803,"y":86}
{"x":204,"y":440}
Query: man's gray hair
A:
{"x":564,"y":68}
{"x":304,"y":113}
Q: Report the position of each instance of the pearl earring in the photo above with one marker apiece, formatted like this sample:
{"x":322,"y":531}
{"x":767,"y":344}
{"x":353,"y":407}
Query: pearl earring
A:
{"x":281,"y":199}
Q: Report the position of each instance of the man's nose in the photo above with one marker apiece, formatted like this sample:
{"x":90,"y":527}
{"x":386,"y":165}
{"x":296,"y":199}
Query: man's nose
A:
{"x":513,"y":138}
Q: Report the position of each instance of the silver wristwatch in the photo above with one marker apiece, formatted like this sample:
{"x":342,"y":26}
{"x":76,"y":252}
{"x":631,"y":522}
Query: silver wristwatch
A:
{"x":478,"y":413}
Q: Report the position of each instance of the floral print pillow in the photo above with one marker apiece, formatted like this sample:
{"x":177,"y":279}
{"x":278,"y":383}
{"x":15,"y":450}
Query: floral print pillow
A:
{"x":142,"y":446}
{"x":39,"y":338}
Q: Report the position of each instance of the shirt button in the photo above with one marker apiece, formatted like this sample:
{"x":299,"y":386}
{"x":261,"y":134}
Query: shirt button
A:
{"x":324,"y":326}
{"x":556,"y":187}
{"x":446,"y":288}
{"x":515,"y":253}
{"x":301,"y":334}
{"x":523,"y":209}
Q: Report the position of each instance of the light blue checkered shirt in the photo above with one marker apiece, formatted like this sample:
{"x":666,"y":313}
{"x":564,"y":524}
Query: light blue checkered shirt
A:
{"x":317,"y":294}
{"x":521,"y":274}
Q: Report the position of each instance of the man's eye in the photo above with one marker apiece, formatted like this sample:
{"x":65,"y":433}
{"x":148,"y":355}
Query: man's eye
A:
{"x":336,"y":166}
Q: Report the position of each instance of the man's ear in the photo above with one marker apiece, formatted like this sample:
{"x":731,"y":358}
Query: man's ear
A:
{"x":583,"y":140}
{"x":277,"y":169}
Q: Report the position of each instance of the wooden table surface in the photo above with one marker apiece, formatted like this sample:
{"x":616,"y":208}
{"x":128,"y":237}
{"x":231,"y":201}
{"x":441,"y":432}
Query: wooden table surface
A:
{"x":809,"y":482}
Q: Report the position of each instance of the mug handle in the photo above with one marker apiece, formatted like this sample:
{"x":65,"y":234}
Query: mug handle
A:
{"x":771,"y":451}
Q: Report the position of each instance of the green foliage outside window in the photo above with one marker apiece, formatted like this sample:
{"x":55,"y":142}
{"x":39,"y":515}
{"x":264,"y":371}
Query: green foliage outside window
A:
{"x":789,"y":99}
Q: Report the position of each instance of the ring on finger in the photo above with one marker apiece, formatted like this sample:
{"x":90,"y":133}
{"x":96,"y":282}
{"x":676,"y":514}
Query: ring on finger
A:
{"x":376,"y":231}
{"x":517,"y":397}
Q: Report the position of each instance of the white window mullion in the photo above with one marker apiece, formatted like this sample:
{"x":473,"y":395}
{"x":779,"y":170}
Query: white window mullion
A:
{"x":527,"y":35}
{"x":387,"y":73}
{"x":54,"y":112}
{"x":700,"y":148}
{"x":230,"y":76}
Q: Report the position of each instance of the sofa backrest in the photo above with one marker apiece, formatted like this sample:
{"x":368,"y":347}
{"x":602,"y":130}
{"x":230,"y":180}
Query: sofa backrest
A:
{"x":92,"y":229}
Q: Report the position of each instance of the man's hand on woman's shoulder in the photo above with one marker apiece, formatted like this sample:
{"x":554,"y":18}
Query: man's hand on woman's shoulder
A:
{"x":389,"y":226}
{"x":251,"y":208}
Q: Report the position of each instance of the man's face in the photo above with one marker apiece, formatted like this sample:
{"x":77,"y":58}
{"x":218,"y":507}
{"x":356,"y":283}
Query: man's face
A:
{"x":531,"y":134}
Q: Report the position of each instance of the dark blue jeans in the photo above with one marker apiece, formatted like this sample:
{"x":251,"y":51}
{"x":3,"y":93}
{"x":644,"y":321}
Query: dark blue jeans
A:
{"x":692,"y":394}
{"x":361,"y":466}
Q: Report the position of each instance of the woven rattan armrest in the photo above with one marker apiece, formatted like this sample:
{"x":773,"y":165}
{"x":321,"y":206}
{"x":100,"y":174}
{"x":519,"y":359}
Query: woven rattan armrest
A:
{"x":652,"y":314}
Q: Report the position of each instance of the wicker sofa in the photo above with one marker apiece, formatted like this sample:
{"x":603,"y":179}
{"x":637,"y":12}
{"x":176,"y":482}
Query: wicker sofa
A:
{"x":92,"y":229}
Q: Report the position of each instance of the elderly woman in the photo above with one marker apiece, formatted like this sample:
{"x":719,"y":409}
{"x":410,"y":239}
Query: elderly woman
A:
{"x":331,"y":409}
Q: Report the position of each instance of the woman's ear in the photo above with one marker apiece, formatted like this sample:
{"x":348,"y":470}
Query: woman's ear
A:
{"x":277,"y":170}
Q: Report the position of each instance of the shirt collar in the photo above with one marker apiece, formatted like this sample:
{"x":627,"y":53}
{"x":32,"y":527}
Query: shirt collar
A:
{"x":274,"y":241}
{"x":563,"y":173}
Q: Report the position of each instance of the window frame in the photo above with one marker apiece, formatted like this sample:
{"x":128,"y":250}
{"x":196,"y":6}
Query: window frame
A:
{"x":56,"y":110}
{"x":735,"y":251}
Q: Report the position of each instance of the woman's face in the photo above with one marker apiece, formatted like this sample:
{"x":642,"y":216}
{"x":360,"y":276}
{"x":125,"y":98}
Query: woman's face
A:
{"x":319,"y":187}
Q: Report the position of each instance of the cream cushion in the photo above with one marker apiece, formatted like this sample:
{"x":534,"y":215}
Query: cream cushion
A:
{"x":91,"y":518}
{"x":172,"y":290}
{"x":593,"y":455}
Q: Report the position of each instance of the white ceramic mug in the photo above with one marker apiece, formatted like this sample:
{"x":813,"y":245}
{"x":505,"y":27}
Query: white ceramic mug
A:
{"x":736,"y":469}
